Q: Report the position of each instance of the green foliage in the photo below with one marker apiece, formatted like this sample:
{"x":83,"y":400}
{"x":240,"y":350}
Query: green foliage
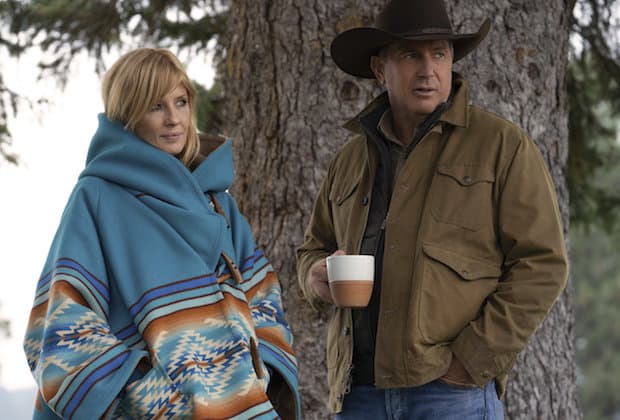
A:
{"x":64,"y":28}
{"x":8,"y":98}
{"x":594,"y":185}
{"x":208,"y":108}
{"x":596,"y":273}
{"x":5,"y":329}
{"x":594,"y":97}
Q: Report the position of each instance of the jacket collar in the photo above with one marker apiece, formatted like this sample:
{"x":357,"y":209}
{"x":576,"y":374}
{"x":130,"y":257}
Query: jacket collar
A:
{"x":456,"y":114}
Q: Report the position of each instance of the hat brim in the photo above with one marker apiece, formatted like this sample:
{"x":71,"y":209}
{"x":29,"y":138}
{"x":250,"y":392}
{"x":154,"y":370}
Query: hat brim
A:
{"x":351,"y":50}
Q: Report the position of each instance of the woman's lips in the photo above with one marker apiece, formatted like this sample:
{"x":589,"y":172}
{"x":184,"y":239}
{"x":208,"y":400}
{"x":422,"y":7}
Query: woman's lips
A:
{"x":172,"y":136}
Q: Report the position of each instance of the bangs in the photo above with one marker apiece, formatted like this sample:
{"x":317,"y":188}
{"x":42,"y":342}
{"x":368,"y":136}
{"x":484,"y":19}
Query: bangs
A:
{"x":157,"y":76}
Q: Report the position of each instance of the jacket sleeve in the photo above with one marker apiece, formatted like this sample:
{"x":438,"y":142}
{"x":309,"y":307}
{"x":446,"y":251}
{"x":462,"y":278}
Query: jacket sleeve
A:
{"x":534,"y":273}
{"x":79,"y":365}
{"x":319,"y":239}
{"x":264,"y":295}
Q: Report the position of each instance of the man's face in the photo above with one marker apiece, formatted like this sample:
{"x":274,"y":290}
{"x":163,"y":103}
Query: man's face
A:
{"x":416,"y":74}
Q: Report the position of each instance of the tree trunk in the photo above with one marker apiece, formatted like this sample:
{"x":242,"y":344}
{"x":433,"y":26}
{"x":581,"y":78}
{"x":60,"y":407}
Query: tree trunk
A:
{"x":286,"y":103}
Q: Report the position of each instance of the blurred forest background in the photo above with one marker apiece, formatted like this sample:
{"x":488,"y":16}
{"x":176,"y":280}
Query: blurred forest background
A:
{"x":61,"y":29}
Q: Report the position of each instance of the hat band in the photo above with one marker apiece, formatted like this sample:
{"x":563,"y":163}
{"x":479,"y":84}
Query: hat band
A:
{"x":428,"y":31}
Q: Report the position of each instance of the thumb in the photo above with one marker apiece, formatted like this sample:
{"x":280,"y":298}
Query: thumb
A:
{"x":339,"y":252}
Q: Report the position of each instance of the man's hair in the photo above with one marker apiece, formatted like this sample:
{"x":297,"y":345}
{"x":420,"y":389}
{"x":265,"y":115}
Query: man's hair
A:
{"x":137,"y":81}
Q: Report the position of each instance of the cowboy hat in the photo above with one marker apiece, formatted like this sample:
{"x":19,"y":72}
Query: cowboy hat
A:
{"x":417,"y":20}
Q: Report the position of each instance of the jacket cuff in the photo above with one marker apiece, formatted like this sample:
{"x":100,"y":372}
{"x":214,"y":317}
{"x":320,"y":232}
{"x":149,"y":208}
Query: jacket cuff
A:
{"x":482,"y":363}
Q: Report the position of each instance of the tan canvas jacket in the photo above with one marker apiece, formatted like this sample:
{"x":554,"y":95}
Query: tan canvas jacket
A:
{"x":474,"y":250}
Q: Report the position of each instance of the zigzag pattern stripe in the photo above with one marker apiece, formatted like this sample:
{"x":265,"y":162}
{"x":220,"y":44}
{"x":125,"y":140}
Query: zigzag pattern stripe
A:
{"x":71,"y":271}
{"x":97,"y":375}
{"x":256,"y":276}
{"x":69,"y":396}
{"x":257,"y":412}
{"x":70,"y":263}
{"x":130,"y":335}
{"x":172,"y":289}
{"x":169,"y":308}
{"x":249,"y":262}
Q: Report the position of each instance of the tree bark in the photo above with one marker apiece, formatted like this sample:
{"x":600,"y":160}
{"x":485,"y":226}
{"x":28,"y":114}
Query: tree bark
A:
{"x":286,"y":102}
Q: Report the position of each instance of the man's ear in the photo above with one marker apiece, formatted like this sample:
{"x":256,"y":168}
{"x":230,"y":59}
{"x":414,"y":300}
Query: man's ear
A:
{"x":376,"y":65}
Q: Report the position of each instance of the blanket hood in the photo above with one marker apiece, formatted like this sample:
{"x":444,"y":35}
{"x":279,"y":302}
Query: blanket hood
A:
{"x":117,"y":155}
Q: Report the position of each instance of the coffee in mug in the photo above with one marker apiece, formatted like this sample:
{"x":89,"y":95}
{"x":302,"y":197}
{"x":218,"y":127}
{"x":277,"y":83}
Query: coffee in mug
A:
{"x":350,"y":279}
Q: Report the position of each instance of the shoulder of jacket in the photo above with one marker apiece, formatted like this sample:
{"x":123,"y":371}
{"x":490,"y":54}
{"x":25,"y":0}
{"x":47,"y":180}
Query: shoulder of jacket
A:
{"x":482,"y":120}
{"x":353,"y":148}
{"x":354,"y":144}
{"x":483,"y":117}
{"x":351,"y":155}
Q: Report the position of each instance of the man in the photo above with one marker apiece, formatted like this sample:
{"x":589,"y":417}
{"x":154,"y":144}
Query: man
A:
{"x":458,"y":209}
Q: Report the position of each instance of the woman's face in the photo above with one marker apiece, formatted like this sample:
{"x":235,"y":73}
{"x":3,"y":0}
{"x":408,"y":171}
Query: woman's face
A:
{"x":165,"y":125}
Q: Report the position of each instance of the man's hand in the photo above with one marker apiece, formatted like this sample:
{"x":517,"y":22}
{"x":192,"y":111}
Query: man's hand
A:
{"x":317,"y":279}
{"x":457,"y":375}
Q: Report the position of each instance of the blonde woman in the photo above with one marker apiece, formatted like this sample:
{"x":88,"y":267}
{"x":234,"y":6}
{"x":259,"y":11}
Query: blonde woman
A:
{"x":154,"y":300}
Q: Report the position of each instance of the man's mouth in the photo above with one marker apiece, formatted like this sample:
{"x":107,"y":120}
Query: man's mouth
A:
{"x":424,"y":91}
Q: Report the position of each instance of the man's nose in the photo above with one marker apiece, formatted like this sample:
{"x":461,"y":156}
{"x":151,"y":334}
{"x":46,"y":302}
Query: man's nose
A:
{"x":426,"y":67}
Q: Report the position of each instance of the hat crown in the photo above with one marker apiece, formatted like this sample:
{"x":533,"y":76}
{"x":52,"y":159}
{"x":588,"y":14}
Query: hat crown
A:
{"x":409,"y":17}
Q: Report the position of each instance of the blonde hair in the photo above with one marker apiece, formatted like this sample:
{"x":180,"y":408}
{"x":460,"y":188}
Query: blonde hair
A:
{"x":137,"y":81}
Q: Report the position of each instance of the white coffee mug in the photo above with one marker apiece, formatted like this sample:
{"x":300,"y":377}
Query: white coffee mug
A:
{"x":351,"y":279}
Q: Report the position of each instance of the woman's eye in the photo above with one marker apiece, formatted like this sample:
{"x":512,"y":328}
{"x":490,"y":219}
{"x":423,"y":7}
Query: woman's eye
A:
{"x":182,"y":102}
{"x":156,"y":107}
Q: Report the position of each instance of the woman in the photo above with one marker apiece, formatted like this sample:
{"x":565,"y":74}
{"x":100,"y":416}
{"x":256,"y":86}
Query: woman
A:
{"x":154,"y":300}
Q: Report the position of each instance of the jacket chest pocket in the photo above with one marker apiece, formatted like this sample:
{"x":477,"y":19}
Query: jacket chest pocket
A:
{"x":343,"y":207}
{"x":462,"y":195}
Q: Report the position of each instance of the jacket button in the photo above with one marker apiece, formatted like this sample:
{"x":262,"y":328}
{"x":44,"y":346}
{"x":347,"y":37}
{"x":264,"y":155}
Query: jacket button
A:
{"x":467,"y":180}
{"x":485,"y":374}
{"x":365,"y":201}
{"x":346,"y":331}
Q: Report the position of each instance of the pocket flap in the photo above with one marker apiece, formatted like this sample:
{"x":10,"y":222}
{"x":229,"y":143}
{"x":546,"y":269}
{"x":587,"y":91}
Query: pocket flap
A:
{"x":466,"y":267}
{"x":467,"y":174}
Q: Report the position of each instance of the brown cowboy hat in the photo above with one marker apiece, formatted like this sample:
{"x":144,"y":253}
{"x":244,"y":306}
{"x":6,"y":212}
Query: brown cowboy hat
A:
{"x":417,"y":20}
